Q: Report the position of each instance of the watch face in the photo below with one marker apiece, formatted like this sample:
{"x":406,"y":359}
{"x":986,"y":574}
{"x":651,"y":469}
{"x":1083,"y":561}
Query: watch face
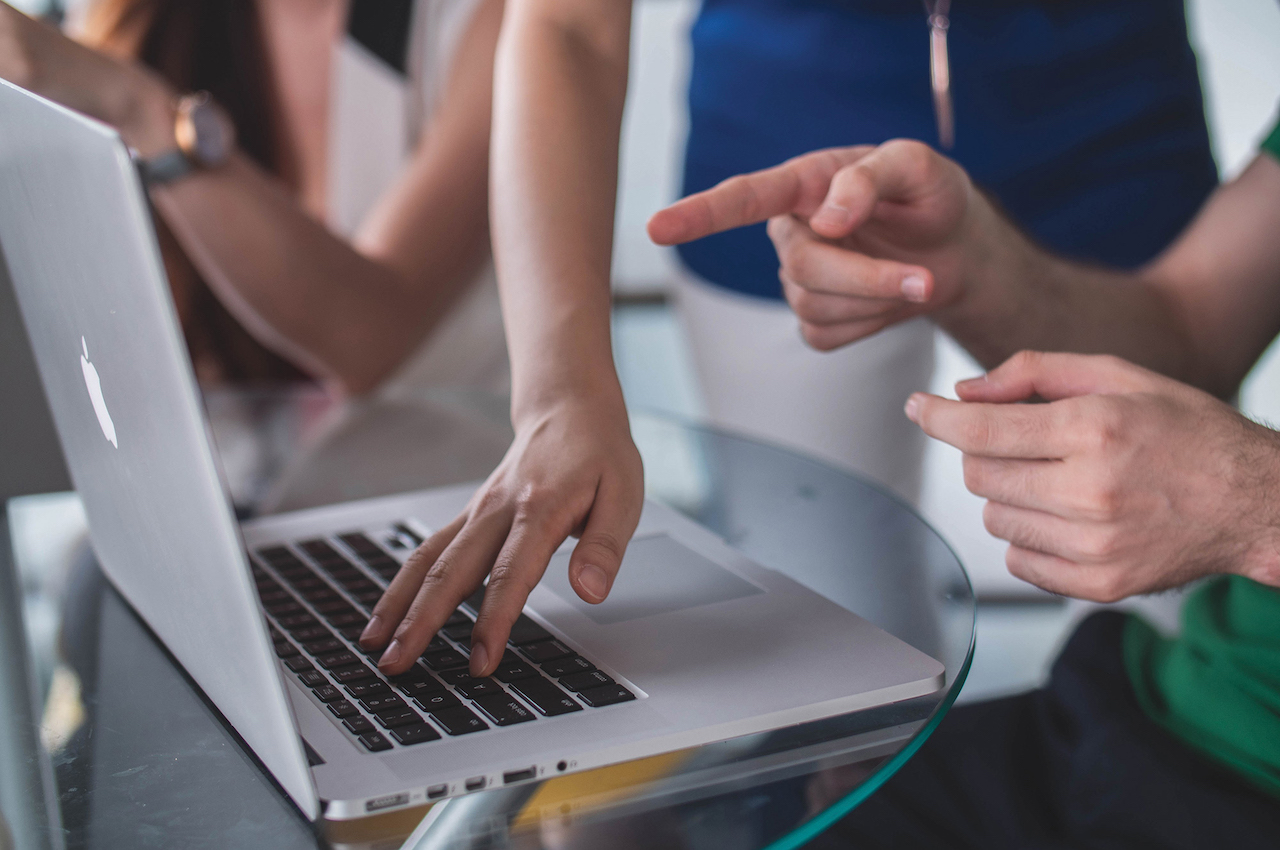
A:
{"x":211,"y":137}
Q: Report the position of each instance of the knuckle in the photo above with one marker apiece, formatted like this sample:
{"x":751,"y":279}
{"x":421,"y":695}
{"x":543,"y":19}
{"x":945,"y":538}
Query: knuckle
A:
{"x":978,"y":432}
{"x":976,"y":475}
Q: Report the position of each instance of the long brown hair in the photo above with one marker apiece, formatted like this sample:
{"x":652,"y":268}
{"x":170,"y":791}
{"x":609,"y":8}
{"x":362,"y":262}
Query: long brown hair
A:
{"x":215,"y":46}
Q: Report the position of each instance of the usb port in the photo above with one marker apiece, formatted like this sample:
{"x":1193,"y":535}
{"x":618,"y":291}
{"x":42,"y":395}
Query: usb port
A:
{"x":435,"y":792}
{"x":475,"y":783}
{"x":519,"y":775}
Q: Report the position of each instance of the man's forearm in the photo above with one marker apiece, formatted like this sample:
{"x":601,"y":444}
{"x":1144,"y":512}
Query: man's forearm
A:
{"x":558,"y":103}
{"x":1020,"y":296}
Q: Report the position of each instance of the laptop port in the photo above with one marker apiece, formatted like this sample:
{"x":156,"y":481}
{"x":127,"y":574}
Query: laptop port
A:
{"x":435,"y":792}
{"x":562,"y":766}
{"x":519,"y":775}
{"x":475,"y":783}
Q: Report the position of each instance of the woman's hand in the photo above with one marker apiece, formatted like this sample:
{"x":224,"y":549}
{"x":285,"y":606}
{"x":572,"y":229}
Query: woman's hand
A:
{"x":866,"y":236}
{"x":1125,"y":482}
{"x":39,"y":58}
{"x":572,"y":469}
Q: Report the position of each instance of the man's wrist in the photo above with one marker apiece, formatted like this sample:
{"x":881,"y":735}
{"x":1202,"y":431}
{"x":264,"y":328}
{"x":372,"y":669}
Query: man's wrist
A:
{"x":145,"y":114}
{"x":1261,"y":561}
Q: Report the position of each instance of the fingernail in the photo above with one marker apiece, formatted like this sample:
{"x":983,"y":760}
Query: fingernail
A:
{"x":912,"y":408}
{"x":593,"y":580}
{"x":391,"y":656}
{"x":913,"y":288}
{"x":834,"y":214}
{"x":969,"y":382}
{"x":479,"y":659}
{"x":372,"y":629}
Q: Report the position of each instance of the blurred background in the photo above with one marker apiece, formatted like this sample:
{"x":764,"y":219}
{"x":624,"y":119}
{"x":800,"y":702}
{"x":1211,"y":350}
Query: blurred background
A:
{"x":1019,"y":627}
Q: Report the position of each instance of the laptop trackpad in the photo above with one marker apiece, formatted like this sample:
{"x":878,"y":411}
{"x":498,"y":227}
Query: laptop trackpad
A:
{"x":658,"y":575}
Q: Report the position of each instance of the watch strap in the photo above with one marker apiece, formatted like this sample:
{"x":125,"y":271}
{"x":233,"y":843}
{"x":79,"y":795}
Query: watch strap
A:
{"x":165,"y":168}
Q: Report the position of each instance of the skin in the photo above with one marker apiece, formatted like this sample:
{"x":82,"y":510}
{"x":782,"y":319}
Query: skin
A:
{"x":349,"y":312}
{"x":560,"y":83}
{"x":1125,"y":481}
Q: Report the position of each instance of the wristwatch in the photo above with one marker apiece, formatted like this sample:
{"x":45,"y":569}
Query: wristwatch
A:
{"x":205,"y":138}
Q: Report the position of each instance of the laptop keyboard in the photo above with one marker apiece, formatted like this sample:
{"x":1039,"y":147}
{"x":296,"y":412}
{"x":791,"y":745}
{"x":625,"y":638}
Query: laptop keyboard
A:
{"x":318,"y":596}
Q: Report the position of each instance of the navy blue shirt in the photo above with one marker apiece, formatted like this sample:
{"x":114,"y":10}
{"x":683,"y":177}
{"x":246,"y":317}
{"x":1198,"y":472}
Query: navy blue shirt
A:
{"x":1083,"y":118}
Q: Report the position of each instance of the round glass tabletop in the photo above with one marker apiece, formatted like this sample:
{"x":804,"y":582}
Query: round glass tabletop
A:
{"x":138,"y":758}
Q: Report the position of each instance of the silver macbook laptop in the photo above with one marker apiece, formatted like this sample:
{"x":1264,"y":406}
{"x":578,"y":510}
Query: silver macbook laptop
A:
{"x":695,"y":644}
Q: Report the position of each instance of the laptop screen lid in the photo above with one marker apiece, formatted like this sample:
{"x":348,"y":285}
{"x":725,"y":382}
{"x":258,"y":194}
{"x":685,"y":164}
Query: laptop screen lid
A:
{"x":77,"y":237}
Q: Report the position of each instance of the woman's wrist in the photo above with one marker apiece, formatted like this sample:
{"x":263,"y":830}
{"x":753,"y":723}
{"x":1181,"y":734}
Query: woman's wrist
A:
{"x":144,"y":112}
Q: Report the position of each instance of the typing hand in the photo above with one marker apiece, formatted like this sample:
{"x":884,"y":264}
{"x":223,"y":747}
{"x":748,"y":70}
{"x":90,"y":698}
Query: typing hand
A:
{"x":572,"y":469}
{"x":866,"y":236}
{"x":1125,"y":482}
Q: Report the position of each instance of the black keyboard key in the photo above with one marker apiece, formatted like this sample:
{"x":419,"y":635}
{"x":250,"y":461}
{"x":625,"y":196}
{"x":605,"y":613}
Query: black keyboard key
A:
{"x":459,"y":631}
{"x":437,"y":645}
{"x":569,"y":664}
{"x":436,"y":701}
{"x":358,"y":725}
{"x":310,"y":633}
{"x":527,"y":631}
{"x":359,"y":543}
{"x":458,"y":721}
{"x":367,"y":598}
{"x":284,"y":649}
{"x":394,"y":717}
{"x":298,"y":664}
{"x":324,"y":646}
{"x":545,"y":697}
{"x":334,"y":607}
{"x":384,"y":702}
{"x":445,"y":660}
{"x":298,"y":622}
{"x":349,"y":618}
{"x":312,"y":678}
{"x":473,"y":688}
{"x":475,"y":600}
{"x":284,"y":609}
{"x":421,"y":688}
{"x":586,"y":680}
{"x":374,"y":742}
{"x":318,"y":549}
{"x":511,"y":672}
{"x":371,"y":688}
{"x":503,"y":710}
{"x":338,"y":659}
{"x":355,"y":673}
{"x":409,"y":532}
{"x":352,"y":632}
{"x":457,"y":617}
{"x":308,"y":582}
{"x":342,"y":708}
{"x":327,"y":693}
{"x":271,"y":597}
{"x":608,"y":695}
{"x":541,"y":653}
{"x":418,"y":733}
{"x":318,"y":596}
{"x":274,"y":553}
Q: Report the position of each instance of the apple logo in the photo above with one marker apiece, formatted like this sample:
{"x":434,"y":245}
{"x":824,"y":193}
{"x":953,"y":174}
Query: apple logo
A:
{"x":95,"y":395}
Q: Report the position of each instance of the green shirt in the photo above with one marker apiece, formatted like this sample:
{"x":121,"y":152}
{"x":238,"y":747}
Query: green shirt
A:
{"x":1217,"y":685}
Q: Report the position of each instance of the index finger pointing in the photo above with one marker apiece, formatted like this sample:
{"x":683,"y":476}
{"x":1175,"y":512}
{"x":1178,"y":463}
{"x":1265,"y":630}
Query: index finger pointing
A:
{"x":796,"y":186}
{"x":1030,"y":431}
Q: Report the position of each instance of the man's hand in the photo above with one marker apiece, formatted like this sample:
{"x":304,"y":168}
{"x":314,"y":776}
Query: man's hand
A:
{"x":1125,"y":482}
{"x":866,"y":236}
{"x":570,"y":471}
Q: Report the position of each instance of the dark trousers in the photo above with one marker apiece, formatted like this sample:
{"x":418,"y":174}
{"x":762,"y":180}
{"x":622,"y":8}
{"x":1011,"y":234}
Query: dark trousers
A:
{"x":1075,"y":764}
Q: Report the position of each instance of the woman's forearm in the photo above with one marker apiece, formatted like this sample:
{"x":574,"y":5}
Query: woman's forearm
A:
{"x":560,"y":84}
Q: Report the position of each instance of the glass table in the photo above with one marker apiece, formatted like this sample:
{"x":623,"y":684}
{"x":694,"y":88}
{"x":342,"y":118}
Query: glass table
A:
{"x":104,"y":741}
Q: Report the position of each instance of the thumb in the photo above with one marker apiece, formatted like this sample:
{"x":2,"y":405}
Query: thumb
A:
{"x":1054,"y":376}
{"x":596,"y":559}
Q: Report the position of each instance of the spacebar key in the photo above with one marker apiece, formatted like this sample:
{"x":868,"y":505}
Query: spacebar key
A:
{"x":546,"y":697}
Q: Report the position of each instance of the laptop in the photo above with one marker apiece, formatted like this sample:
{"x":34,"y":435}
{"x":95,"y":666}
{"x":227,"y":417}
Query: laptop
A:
{"x":695,"y":644}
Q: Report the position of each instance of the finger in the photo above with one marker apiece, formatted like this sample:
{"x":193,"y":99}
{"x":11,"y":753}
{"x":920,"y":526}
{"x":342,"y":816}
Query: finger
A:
{"x":821,"y":309}
{"x":993,"y":430}
{"x":833,"y":270}
{"x":396,"y":599}
{"x":596,"y":559}
{"x":1055,"y":376}
{"x":796,"y":186}
{"x":1084,"y":543}
{"x":1066,"y":578}
{"x":1034,"y":484}
{"x":831,"y":337}
{"x":518,"y":569}
{"x":899,"y":170}
{"x":454,"y":576}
